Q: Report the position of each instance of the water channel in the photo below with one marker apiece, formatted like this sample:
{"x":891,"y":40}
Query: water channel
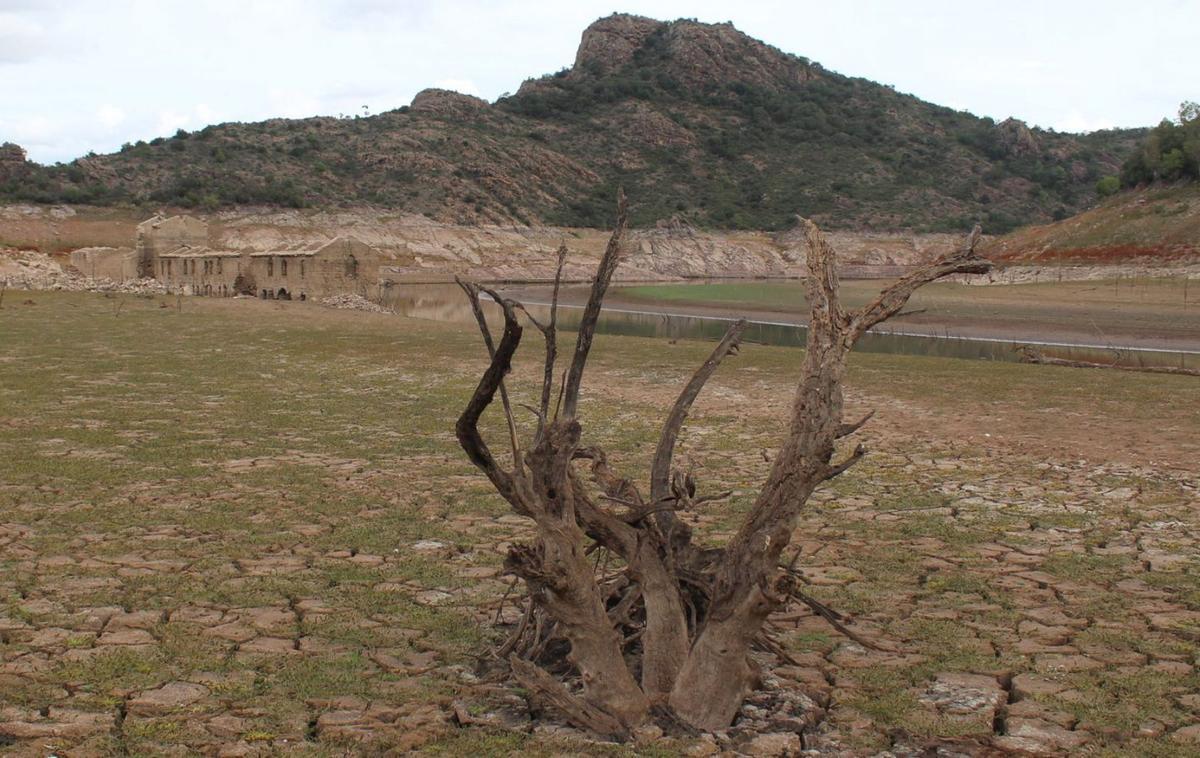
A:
{"x":446,"y":302}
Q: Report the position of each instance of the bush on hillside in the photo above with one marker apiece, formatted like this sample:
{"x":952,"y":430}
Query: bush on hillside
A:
{"x":1171,"y":152}
{"x":1108,"y":186}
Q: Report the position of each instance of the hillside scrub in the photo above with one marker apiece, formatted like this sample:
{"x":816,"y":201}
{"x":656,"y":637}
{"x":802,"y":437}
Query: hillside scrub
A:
{"x":697,"y":121}
{"x":1170,"y":153}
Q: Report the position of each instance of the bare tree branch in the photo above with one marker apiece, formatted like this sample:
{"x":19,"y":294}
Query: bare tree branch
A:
{"x":821,"y":284}
{"x":845,"y":430}
{"x":580,"y":713}
{"x":660,"y":469}
{"x":467,"y":428}
{"x":834,"y":619}
{"x":472,"y":291}
{"x":963,"y":260}
{"x":551,"y":335}
{"x":591,"y":312}
{"x":840,"y":468}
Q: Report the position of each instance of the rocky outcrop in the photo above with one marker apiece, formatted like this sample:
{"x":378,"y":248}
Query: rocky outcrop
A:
{"x":694,"y":54}
{"x":691,"y":118}
{"x":444,"y":102}
{"x":703,"y":55}
{"x":13,"y":164}
{"x":610,"y":43}
{"x":425,"y":250}
{"x":1016,"y":137}
{"x":428,"y":251}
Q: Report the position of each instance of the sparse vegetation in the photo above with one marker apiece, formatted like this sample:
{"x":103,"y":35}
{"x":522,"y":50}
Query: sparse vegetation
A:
{"x":738,"y":148}
{"x":1170,"y":153}
{"x":194,"y":480}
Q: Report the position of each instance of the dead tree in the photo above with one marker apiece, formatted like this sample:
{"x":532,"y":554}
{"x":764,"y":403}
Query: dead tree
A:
{"x":637,"y":621}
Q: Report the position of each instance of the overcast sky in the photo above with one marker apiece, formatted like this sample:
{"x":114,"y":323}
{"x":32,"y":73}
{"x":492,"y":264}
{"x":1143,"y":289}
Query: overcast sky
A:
{"x":80,"y":75}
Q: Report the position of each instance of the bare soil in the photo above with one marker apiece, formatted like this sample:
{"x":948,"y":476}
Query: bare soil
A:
{"x":244,"y":528}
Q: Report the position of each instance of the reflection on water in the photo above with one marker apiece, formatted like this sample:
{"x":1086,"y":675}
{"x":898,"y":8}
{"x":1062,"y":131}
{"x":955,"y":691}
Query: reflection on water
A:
{"x":446,"y":302}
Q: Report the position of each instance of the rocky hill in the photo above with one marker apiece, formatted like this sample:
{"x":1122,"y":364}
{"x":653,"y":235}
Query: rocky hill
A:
{"x":430,"y":251}
{"x":1156,"y":225}
{"x":701,"y":123}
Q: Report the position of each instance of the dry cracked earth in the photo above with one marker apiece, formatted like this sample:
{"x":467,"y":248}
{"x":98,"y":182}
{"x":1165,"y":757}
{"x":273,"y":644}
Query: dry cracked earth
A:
{"x":243,"y":528}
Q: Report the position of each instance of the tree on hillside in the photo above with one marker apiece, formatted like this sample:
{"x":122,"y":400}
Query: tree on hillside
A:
{"x":1170,"y":153}
{"x":667,"y":635}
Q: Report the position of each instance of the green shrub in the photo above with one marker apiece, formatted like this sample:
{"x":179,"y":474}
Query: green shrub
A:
{"x":1107,"y":186}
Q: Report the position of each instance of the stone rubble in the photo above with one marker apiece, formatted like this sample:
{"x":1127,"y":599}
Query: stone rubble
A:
{"x":28,"y":270}
{"x":353,"y":303}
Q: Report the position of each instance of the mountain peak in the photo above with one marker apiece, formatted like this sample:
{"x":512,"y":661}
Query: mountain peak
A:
{"x":695,"y":120}
{"x":696,"y":55}
{"x":609,"y":43}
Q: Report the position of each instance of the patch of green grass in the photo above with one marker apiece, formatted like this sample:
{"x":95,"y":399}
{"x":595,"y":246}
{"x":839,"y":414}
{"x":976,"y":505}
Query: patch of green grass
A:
{"x":322,"y":676}
{"x":1085,"y":566}
{"x":1124,"y":699}
{"x":110,"y":672}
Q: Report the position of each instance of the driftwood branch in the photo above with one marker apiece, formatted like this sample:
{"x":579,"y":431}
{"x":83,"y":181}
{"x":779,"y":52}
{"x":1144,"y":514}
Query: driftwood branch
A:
{"x":472,"y":291}
{"x":845,"y":430}
{"x":548,"y":689}
{"x":1031,"y":355}
{"x":660,"y":469}
{"x":962,"y":260}
{"x":591,"y":312}
{"x":467,"y":428}
{"x":681,"y":617}
{"x":551,"y":334}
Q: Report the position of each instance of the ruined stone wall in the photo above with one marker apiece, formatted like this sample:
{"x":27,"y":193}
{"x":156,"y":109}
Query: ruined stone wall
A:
{"x":213,"y":275}
{"x":343,"y":266}
{"x":119,"y":264}
{"x":159,"y":235}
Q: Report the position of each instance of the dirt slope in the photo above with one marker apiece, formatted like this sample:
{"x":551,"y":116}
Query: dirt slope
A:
{"x":1151,"y":225}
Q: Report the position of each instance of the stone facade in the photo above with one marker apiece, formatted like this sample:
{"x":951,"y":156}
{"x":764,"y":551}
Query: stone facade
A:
{"x":341,"y":266}
{"x":119,"y":264}
{"x":202,"y":271}
{"x":176,"y":251}
{"x":158,"y":235}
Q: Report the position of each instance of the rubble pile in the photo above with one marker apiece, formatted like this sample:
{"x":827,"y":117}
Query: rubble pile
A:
{"x":28,"y":270}
{"x":353,"y":303}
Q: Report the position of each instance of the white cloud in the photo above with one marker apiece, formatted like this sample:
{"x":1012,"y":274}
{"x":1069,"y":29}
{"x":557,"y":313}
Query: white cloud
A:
{"x":293,"y":103}
{"x":206,"y":115}
{"x":33,"y":128}
{"x":110,"y":116}
{"x":21,"y":39}
{"x":1074,"y":121}
{"x":170,"y":122}
{"x":462,"y":86}
{"x":79,"y":75}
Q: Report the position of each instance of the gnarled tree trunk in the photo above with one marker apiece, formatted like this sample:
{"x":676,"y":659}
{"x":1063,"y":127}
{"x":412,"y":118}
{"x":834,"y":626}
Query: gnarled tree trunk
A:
{"x":670,"y":632}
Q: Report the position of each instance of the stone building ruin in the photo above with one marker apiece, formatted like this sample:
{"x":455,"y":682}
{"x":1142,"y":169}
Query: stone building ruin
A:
{"x":177,"y":251}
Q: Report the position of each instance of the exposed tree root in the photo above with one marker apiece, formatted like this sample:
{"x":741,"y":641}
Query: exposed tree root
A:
{"x":619,"y":600}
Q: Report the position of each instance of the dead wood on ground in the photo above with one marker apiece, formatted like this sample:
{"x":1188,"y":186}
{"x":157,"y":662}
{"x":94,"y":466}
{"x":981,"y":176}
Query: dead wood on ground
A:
{"x":626,"y":619}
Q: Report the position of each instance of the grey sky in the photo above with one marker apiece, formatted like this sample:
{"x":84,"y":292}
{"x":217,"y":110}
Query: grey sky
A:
{"x":80,"y":75}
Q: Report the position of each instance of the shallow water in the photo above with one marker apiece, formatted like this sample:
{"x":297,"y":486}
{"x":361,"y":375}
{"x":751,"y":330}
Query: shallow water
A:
{"x":446,"y":302}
